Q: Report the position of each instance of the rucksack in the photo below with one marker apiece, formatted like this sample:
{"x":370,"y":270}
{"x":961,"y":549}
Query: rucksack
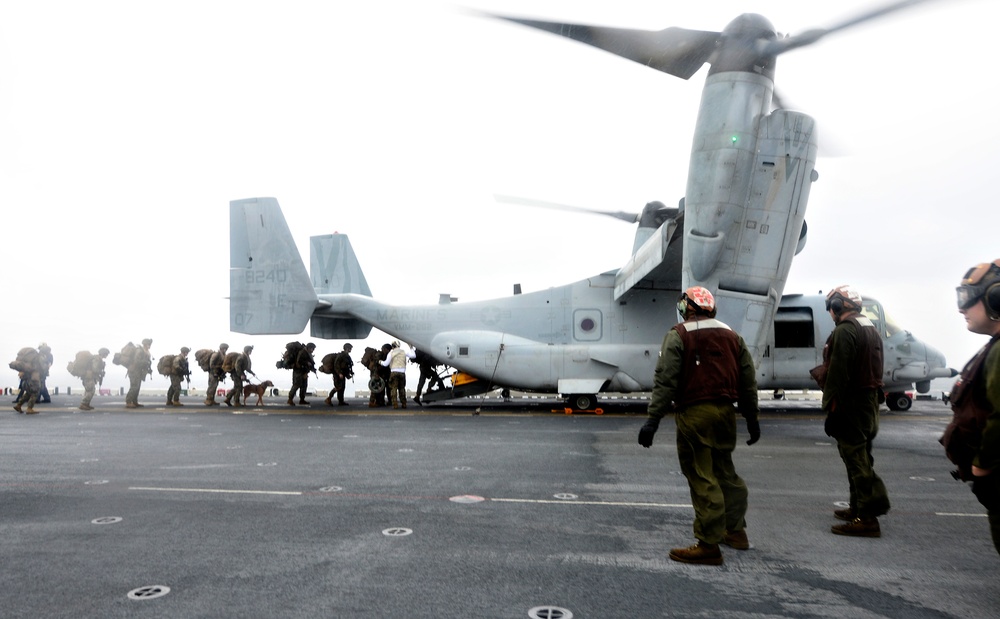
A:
{"x":326,"y":365}
{"x":289,"y":357}
{"x":229,"y":363}
{"x":165,"y":365}
{"x":27,"y":360}
{"x":78,"y":366}
{"x":126,"y":355}
{"x":203,"y":357}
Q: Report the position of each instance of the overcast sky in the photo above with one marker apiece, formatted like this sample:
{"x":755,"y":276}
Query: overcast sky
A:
{"x":127,"y":127}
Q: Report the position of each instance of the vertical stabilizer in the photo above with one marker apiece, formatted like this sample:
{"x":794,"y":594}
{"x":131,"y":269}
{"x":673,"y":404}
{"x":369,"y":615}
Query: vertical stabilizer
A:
{"x":269,"y":288}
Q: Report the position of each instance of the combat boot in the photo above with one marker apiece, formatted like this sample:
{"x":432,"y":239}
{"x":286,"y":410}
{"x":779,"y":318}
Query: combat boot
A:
{"x":701,"y":554}
{"x":846,"y":515}
{"x":859,"y":527}
{"x":737,"y":540}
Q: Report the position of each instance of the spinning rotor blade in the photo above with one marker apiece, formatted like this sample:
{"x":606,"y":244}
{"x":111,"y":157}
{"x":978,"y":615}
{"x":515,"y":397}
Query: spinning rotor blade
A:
{"x":627,"y":217}
{"x":811,"y":36}
{"x":677,"y":51}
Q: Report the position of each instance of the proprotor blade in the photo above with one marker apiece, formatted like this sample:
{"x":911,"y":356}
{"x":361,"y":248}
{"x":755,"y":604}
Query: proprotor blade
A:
{"x":677,"y":51}
{"x":811,"y":36}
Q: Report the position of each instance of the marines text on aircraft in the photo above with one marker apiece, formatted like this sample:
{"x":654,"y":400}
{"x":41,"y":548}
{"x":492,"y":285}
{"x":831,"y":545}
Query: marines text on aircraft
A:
{"x":735,"y":232}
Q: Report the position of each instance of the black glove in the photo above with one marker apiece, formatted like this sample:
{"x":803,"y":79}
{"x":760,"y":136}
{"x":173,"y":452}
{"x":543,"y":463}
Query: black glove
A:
{"x":753,"y":427}
{"x":647,"y":431}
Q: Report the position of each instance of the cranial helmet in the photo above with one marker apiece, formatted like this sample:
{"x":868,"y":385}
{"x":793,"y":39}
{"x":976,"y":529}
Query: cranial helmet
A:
{"x":981,"y":282}
{"x":698,"y":299}
{"x":843,"y":297}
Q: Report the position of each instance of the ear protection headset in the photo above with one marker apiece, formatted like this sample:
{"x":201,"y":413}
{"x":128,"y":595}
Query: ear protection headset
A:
{"x":982,"y":282}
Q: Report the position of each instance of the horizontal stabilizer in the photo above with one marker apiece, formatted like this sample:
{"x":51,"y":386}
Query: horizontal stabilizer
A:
{"x":269,"y":288}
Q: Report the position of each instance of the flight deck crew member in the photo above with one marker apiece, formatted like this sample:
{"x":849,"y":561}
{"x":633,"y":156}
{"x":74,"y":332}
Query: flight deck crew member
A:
{"x":851,"y":379}
{"x":396,"y":362}
{"x":972,"y":439}
{"x":703,"y":369}
{"x":215,"y":373}
{"x":140,"y":366}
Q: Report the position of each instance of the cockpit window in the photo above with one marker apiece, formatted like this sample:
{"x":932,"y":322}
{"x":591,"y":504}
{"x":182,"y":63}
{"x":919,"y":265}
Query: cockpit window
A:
{"x":873,"y":310}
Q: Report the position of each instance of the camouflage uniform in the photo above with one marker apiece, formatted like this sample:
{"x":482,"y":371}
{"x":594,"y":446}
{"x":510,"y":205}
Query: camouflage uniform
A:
{"x":239,"y":374}
{"x":179,"y":370}
{"x":301,"y":366}
{"x":140,"y":367}
{"x":215,"y":374}
{"x":93,"y":375}
{"x":343,"y":368}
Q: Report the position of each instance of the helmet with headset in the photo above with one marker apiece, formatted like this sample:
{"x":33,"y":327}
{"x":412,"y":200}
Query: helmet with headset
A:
{"x":843,"y":298}
{"x":697,"y":299}
{"x":981,"y":282}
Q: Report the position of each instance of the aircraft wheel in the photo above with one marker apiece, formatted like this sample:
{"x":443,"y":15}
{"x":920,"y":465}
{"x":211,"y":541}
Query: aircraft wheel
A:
{"x":899,"y":401}
{"x":582,"y":401}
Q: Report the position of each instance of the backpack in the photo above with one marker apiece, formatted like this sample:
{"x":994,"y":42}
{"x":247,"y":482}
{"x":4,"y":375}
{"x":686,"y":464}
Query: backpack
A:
{"x":124,"y":358}
{"x":229,"y":363}
{"x":288,"y":358}
{"x":203,"y":357}
{"x":27,"y":360}
{"x":326,"y":366}
{"x":165,"y":365}
{"x":81,"y":364}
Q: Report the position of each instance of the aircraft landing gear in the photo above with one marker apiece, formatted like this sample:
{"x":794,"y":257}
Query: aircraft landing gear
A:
{"x":582,"y":401}
{"x":898,"y":401}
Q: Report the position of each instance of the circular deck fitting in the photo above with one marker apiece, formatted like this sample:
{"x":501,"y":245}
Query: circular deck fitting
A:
{"x":549,"y":612}
{"x":148,"y":592}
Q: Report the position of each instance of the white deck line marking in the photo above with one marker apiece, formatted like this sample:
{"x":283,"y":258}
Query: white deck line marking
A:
{"x":217,"y":491}
{"x":609,"y":503}
{"x":960,"y":515}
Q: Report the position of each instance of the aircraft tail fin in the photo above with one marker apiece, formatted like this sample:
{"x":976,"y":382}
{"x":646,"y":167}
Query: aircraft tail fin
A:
{"x":269,"y":288}
{"x":335,"y":270}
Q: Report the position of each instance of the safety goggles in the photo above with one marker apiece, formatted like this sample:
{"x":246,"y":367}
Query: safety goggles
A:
{"x":973,"y":288}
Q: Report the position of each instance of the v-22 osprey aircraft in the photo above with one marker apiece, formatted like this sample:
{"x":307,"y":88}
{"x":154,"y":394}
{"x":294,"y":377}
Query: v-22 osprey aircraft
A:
{"x":735,"y":232}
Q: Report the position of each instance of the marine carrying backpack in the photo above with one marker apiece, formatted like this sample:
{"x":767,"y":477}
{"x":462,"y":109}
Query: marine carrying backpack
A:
{"x":80,"y":364}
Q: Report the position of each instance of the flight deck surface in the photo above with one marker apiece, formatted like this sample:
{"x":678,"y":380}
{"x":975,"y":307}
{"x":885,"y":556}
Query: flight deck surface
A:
{"x":441,"y":512}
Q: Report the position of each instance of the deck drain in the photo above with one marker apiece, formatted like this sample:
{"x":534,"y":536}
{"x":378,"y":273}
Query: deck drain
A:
{"x":148,"y":593}
{"x":549,"y":612}
{"x":396,"y":532}
{"x":107,"y":520}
